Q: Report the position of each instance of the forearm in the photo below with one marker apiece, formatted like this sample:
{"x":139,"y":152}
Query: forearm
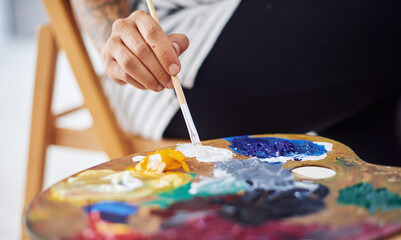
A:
{"x":96,"y":17}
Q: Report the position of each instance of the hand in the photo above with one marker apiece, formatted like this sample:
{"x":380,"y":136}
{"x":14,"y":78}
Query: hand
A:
{"x":140,"y":53}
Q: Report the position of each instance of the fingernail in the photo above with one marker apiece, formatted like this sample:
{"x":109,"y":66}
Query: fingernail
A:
{"x":177,"y":48}
{"x":173,"y":69}
{"x":170,"y":85}
{"x":160,"y":88}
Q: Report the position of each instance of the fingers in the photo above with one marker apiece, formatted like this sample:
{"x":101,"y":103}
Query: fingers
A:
{"x":132,"y":39}
{"x":155,"y":37}
{"x":134,"y":68}
{"x":129,"y":68}
{"x":121,"y":77}
{"x":141,"y":54}
{"x":180,"y":42}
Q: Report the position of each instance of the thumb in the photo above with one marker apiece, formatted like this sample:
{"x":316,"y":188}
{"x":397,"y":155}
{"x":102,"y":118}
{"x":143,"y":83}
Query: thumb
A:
{"x":179,"y":41}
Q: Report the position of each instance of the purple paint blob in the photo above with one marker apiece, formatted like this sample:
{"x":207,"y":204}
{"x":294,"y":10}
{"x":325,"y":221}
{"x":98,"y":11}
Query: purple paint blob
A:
{"x":269,"y":147}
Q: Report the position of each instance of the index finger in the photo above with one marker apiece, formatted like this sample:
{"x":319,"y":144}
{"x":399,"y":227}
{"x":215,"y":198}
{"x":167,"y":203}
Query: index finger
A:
{"x":157,"y":39}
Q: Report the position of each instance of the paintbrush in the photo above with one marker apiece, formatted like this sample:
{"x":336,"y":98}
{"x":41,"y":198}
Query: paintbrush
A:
{"x":193,"y":133}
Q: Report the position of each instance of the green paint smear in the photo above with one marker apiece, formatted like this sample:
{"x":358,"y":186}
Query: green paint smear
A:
{"x":220,"y":186}
{"x":364,"y":195}
{"x":205,"y":188}
{"x":165,"y":199}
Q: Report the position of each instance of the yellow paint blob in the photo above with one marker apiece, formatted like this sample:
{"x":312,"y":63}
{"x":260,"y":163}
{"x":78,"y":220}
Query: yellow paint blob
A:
{"x":161,"y":161}
{"x":97,"y":185}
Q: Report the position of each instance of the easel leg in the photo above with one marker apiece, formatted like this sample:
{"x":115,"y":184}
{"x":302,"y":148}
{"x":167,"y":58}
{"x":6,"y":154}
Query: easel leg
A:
{"x":41,"y":123}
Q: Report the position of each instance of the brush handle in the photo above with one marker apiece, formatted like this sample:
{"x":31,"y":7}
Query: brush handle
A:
{"x":176,"y":82}
{"x":152,"y":10}
{"x":178,"y":90}
{"x":193,"y":133}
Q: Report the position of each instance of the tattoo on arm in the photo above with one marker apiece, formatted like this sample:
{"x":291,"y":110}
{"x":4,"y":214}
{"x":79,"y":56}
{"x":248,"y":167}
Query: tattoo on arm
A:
{"x":96,"y":17}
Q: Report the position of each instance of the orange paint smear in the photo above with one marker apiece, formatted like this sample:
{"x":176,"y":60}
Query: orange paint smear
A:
{"x":161,"y":161}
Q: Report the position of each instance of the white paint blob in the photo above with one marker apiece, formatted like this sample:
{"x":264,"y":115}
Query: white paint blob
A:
{"x":154,"y":162}
{"x":313,"y":172}
{"x":206,"y":153}
{"x":137,"y":158}
{"x":327,"y":146}
{"x":119,"y":182}
{"x":220,"y":173}
{"x":311,"y":186}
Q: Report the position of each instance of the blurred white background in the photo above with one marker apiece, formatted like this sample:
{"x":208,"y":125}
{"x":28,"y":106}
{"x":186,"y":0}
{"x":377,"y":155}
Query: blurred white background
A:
{"x":19,"y":21}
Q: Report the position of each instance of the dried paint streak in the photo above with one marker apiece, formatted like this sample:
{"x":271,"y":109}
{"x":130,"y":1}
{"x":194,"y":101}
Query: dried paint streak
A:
{"x":364,"y":195}
{"x":162,"y":160}
{"x":214,"y":227}
{"x":343,"y":161}
{"x":278,"y":149}
{"x":112,"y":211}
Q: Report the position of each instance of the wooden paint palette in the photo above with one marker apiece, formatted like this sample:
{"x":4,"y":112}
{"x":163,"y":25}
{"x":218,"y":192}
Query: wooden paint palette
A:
{"x":361,"y":201}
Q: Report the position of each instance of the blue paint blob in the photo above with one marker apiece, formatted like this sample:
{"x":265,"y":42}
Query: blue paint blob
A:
{"x":259,"y":174}
{"x":270,"y":147}
{"x":113,"y":211}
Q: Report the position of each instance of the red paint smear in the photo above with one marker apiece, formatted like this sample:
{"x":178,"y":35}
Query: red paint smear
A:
{"x":91,"y":232}
{"x":214,"y":227}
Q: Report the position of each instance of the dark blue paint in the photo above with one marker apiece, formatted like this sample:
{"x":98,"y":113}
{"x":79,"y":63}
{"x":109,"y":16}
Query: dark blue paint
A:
{"x":272,"y":194}
{"x":259,"y":206}
{"x":268,"y":147}
{"x":113,"y":211}
{"x":254,"y":207}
